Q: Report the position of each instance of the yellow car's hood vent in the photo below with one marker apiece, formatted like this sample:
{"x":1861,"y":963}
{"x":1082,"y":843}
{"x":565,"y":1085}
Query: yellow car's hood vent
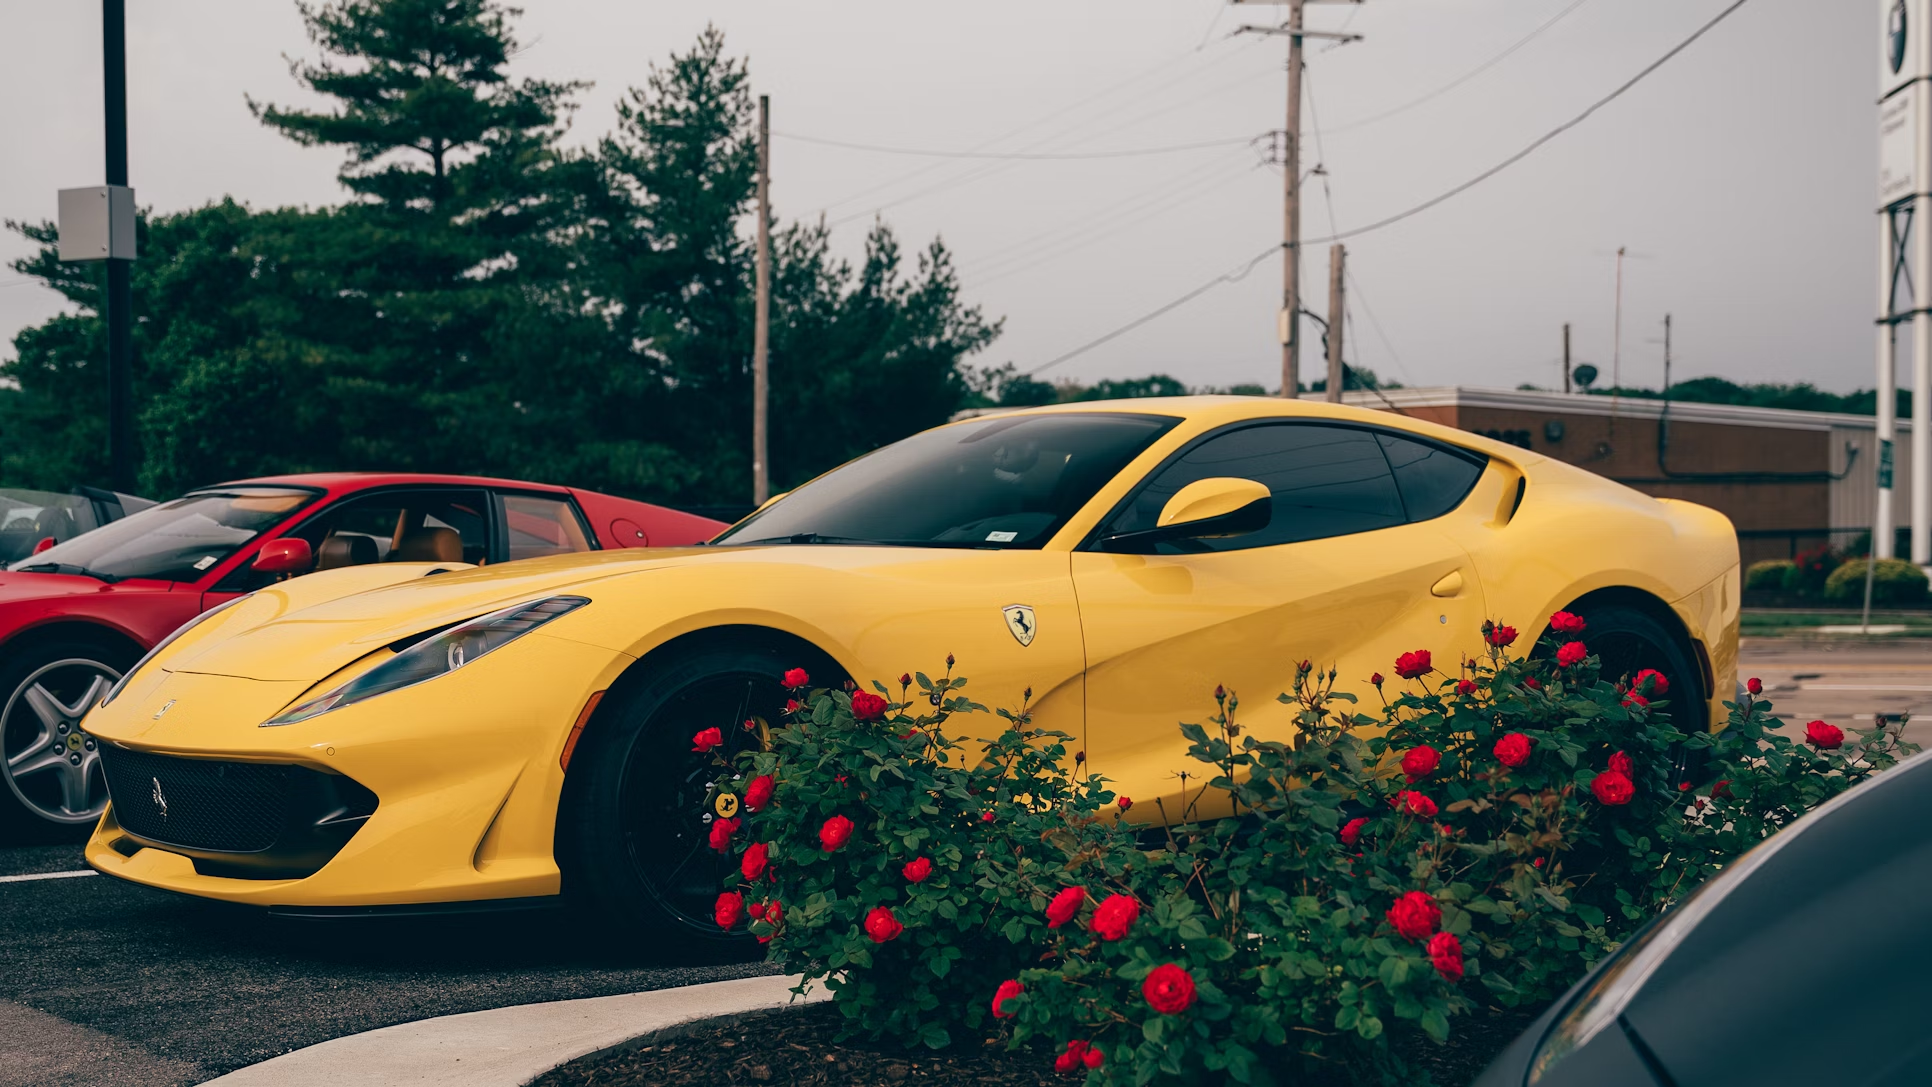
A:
{"x":286,"y":633}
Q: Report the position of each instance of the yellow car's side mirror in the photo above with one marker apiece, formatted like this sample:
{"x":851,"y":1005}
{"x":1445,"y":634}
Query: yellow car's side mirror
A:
{"x":1204,"y":509}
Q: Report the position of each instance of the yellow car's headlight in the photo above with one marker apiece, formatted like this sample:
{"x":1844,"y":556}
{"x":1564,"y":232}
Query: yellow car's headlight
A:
{"x":439,"y":655}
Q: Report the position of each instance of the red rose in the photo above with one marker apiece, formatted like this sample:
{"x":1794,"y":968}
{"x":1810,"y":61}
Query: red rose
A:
{"x":1094,"y":1058}
{"x":1007,"y":991}
{"x":1532,"y":684}
{"x":1620,"y":764}
{"x":1824,"y":737}
{"x":1564,"y":622}
{"x":867,"y":706}
{"x":1124,"y":803}
{"x":1376,"y":679}
{"x":1416,"y":804}
{"x":1513,"y":750}
{"x":1572,"y":653}
{"x":1415,"y":915}
{"x":1754,"y":685}
{"x":1500,"y":635}
{"x":1073,"y":1060}
{"x":1612,"y":788}
{"x":835,"y":833}
{"x":729,"y":910}
{"x":986,"y":817}
{"x":1413,"y":665}
{"x":757,"y":858}
{"x":1538,"y":862}
{"x":758,"y":793}
{"x":796,"y":678}
{"x":1658,"y":685}
{"x":1352,"y":832}
{"x":793,"y":705}
{"x":1465,"y":687}
{"x":1112,"y":918}
{"x":1721,"y":790}
{"x":774,"y":912}
{"x":905,"y":679}
{"x":1065,"y":906}
{"x":1635,"y":701}
{"x":721,"y":832}
{"x":882,"y":926}
{"x":1420,"y":762}
{"x":1169,"y":989}
{"x":1445,"y":954}
{"x":706,"y":740}
{"x":917,"y":869}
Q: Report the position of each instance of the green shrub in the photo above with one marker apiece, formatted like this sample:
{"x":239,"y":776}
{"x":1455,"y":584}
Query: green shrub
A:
{"x":1769,"y":574}
{"x":1894,"y":581}
{"x":1482,"y":838}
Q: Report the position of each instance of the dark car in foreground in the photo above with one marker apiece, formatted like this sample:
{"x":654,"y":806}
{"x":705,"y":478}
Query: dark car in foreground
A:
{"x":1807,"y":961}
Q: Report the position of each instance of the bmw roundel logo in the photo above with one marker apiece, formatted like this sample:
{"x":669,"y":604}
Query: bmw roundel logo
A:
{"x":1897,"y":32}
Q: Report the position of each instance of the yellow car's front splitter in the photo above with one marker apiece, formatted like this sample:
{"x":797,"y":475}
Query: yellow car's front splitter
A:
{"x":462,"y":773}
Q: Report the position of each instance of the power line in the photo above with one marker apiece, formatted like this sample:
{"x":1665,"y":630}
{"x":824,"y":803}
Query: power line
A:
{"x":1226,"y":277}
{"x":1466,"y":76}
{"x":1416,"y":210}
{"x":1355,"y":290}
{"x":1052,"y":156}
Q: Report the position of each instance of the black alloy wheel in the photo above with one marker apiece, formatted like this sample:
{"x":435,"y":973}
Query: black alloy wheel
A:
{"x":640,"y":804}
{"x":1627,"y":641}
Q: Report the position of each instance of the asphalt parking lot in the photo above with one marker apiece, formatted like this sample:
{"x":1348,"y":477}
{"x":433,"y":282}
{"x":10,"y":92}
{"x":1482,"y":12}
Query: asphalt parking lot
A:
{"x":102,"y":983}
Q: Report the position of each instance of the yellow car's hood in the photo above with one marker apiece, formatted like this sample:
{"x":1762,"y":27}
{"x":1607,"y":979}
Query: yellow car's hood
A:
{"x":309,"y":627}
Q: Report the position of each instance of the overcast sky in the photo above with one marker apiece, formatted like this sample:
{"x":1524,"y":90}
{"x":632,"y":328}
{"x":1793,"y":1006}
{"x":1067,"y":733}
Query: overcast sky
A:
{"x":1740,"y":176}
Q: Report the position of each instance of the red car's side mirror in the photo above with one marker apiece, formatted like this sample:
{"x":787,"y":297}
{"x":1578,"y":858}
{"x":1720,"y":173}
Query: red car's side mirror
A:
{"x":288,"y":555}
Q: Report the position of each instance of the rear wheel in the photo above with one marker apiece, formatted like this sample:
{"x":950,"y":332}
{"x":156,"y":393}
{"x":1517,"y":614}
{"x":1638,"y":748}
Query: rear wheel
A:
{"x":639,"y":804}
{"x":54,"y":788}
{"x":1627,"y":641}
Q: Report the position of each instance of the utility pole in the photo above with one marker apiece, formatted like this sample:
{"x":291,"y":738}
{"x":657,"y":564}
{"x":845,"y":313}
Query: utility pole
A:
{"x":1289,"y":319}
{"x":1337,"y":255}
{"x":1566,"y":357}
{"x":1291,"y":215}
{"x":120,"y":284}
{"x":761,"y":329}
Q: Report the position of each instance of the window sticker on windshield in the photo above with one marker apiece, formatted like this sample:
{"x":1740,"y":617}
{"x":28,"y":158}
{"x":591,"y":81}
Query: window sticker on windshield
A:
{"x":1001,"y":537}
{"x":204,"y":562}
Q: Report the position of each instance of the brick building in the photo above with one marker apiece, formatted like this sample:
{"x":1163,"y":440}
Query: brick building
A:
{"x":1787,"y":479}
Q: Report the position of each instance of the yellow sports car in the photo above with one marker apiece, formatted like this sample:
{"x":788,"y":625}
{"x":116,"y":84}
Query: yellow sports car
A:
{"x":401,"y":737}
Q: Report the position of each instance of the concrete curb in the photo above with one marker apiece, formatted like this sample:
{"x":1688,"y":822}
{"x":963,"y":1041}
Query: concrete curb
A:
{"x":509,"y":1047}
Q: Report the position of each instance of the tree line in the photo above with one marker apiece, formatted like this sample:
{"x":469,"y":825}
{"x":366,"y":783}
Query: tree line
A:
{"x":488,"y":300}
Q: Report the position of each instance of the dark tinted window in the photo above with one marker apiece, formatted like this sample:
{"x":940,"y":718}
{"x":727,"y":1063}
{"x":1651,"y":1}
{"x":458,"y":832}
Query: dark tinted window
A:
{"x":176,"y":541}
{"x":1324,"y":480}
{"x":1434,"y":479}
{"x":1000,"y":481}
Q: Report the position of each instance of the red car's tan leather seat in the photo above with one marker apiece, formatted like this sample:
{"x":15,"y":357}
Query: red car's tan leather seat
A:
{"x":428,"y":545}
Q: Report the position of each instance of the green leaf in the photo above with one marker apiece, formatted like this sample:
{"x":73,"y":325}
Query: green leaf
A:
{"x":1435,"y":1025}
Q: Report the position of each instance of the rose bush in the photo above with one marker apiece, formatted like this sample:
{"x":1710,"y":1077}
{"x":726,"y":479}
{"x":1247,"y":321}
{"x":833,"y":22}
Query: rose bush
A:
{"x":1491,"y":830}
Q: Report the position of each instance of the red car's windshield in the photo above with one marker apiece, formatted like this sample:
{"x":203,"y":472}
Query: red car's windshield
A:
{"x":175,"y":541}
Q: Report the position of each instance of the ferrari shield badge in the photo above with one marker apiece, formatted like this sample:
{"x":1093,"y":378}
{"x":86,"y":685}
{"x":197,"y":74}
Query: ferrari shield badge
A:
{"x":1019,"y":620}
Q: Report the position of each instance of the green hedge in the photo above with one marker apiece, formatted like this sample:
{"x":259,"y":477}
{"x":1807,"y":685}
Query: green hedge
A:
{"x":1894,"y":582}
{"x":1769,"y":574}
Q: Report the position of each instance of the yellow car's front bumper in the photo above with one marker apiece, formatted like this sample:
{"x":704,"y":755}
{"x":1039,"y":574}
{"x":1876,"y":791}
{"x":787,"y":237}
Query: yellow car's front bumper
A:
{"x":465,"y":770}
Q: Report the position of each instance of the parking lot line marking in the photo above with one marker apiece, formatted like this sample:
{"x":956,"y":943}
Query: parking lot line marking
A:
{"x":1865,"y":687}
{"x":48,"y":875}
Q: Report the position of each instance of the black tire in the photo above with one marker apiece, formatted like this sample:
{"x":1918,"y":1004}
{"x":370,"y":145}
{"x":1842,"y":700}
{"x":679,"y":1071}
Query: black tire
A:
{"x":632,"y":833}
{"x":45,"y":794}
{"x":1627,"y":641}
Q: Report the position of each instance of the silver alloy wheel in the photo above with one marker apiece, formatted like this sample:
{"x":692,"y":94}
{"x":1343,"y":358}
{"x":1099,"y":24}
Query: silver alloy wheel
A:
{"x":60,"y":758}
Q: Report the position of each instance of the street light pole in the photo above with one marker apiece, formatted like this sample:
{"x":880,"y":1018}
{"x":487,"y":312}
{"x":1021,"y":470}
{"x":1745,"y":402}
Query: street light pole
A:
{"x":119,"y":303}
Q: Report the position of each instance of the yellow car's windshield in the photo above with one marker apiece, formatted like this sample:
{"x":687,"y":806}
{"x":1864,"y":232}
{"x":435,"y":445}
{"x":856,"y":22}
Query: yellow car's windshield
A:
{"x":1005,"y":481}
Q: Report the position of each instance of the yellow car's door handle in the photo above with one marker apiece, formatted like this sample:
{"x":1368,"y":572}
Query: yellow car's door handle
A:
{"x":1450,"y":585}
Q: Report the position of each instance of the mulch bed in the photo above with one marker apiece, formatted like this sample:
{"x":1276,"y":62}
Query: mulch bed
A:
{"x":797,"y":1049}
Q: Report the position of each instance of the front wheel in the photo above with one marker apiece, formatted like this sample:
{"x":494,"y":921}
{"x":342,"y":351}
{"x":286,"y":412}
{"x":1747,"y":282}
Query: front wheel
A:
{"x":639,"y":803}
{"x":1627,"y":641}
{"x":52,"y":767}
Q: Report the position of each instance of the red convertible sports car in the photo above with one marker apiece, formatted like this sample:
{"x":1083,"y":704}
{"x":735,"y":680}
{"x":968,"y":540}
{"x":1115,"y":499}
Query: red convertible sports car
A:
{"x":76,"y":616}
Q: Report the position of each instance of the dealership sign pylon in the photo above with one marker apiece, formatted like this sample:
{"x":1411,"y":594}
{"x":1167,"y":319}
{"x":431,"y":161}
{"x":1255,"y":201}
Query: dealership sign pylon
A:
{"x":1905,"y":257}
